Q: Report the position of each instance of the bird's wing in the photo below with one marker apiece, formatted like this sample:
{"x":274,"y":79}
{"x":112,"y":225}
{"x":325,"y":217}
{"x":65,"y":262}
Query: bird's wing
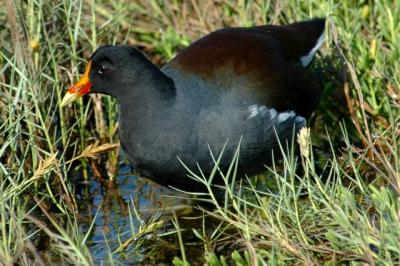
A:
{"x":265,"y":61}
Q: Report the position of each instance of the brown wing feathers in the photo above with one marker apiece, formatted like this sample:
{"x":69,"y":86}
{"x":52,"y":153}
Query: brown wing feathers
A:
{"x":268,"y":56}
{"x":248,"y":49}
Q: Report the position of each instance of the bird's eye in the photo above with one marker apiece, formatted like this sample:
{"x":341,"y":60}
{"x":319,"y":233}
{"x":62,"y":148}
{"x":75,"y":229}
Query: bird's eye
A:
{"x":104,"y":67}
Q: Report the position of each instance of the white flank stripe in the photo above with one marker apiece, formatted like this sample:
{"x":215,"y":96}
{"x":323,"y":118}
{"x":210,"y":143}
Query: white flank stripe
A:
{"x":253,"y":111}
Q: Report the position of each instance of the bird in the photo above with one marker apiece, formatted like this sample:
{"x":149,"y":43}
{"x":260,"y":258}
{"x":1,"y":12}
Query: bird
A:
{"x":237,"y":90}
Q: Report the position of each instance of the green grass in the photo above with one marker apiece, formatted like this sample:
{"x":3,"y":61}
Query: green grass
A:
{"x":343,"y":209}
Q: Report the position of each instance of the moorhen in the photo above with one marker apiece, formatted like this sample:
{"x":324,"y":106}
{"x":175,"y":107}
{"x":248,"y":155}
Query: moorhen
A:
{"x":246,"y":85}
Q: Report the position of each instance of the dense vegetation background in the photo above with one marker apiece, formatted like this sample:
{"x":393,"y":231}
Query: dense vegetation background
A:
{"x":344,"y":207}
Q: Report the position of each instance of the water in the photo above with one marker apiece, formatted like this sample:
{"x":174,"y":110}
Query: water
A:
{"x":110,"y":206}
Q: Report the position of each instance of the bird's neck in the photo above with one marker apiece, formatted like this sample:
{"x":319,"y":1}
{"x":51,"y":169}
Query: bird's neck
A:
{"x":151,"y":85}
{"x":150,"y":95}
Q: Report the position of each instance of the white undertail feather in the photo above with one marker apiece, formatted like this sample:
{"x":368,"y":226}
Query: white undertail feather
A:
{"x":306,"y":60}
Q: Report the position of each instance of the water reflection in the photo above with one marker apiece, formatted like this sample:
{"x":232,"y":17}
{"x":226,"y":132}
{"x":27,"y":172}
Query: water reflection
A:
{"x":109,"y":205}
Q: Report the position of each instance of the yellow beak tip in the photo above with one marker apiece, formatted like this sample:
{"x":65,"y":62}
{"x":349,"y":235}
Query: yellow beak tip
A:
{"x":69,"y":98}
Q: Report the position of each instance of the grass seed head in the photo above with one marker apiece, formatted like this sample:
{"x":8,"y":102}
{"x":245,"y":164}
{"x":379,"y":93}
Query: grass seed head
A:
{"x":304,"y":140}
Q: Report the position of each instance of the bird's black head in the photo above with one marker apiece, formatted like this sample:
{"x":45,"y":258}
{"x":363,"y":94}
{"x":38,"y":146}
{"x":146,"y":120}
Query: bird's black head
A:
{"x":111,"y":70}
